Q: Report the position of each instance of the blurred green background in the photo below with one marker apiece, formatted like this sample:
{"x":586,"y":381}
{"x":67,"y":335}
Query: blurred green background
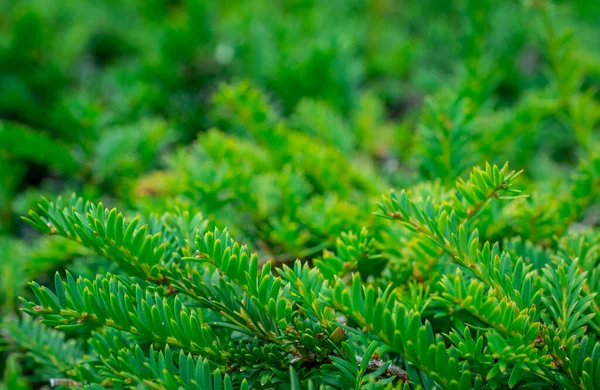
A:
{"x":95,"y":94}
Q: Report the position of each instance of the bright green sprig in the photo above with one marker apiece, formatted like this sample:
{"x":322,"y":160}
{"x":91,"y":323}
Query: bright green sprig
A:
{"x":163,"y":369}
{"x":117,"y":303}
{"x":106,"y":231}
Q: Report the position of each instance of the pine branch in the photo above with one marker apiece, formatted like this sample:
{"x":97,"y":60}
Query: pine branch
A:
{"x":49,"y":348}
{"x":163,"y":369}
{"x":109,"y":301}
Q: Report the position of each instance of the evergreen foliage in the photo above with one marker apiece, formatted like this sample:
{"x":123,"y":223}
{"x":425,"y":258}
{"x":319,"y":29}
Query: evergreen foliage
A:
{"x":301,"y":195}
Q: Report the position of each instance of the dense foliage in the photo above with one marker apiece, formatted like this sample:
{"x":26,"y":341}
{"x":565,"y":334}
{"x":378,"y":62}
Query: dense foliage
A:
{"x":299,"y":194}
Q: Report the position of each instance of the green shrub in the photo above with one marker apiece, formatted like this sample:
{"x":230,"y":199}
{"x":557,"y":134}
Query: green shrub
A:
{"x":299,"y":194}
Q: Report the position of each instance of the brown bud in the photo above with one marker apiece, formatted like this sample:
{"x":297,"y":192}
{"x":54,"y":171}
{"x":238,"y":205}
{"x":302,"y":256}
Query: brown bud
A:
{"x":337,"y":335}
